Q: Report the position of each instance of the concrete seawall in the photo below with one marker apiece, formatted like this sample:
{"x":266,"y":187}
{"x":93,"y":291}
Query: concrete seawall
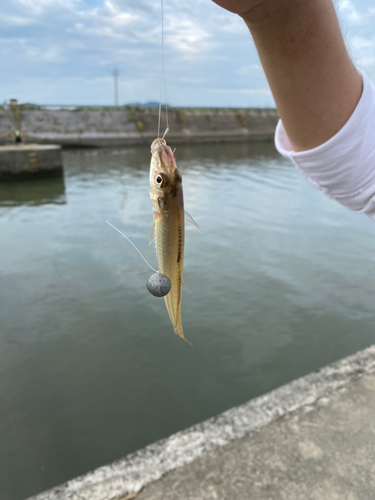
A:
{"x":132,"y":126}
{"x":312,"y":438}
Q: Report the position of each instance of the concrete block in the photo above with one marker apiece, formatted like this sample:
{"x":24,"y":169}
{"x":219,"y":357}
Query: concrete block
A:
{"x":29,"y":161}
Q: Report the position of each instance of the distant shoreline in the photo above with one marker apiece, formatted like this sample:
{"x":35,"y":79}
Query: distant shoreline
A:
{"x":129,"y":126}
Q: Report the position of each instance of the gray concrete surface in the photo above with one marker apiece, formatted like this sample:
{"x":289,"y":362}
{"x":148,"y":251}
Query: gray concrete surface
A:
{"x":313,"y":438}
{"x":102,"y":128}
{"x":31,"y":160}
{"x":323,"y":451}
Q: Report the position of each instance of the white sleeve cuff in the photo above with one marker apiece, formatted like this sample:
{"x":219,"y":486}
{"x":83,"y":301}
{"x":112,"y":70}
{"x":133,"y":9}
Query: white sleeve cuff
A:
{"x":343,"y":167}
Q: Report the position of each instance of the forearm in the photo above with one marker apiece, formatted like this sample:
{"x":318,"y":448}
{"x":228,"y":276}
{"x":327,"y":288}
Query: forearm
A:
{"x":314,"y":83}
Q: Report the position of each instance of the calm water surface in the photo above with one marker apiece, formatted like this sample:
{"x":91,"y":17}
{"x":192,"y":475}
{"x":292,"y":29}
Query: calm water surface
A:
{"x":279,"y":283}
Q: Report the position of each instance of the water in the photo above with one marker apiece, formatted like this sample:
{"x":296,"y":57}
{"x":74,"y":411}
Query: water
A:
{"x":278,"y":283}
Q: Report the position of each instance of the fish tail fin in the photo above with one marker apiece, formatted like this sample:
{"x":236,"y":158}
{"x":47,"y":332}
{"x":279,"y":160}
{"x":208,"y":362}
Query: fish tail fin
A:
{"x":178,"y":331}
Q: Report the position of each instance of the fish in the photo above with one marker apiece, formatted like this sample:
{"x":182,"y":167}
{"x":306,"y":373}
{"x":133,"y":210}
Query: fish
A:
{"x":168,"y":229}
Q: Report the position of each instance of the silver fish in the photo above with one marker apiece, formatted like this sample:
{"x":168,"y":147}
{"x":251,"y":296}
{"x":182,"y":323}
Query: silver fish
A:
{"x":169,"y":224}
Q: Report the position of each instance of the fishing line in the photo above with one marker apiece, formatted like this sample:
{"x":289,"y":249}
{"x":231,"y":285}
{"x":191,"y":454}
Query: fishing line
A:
{"x":163,"y":83}
{"x":122,"y":234}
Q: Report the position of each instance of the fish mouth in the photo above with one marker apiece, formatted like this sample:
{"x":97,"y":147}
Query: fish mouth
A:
{"x":157,"y":144}
{"x":160,"y":149}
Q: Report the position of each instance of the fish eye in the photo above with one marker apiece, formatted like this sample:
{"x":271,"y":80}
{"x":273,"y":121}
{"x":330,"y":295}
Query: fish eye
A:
{"x":160,"y":180}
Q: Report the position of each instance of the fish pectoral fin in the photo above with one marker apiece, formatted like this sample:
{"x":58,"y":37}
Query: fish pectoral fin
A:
{"x":190,"y":220}
{"x":152,"y":237}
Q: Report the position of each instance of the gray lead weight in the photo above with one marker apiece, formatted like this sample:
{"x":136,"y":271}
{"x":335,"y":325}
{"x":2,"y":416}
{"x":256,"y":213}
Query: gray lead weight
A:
{"x":158,"y":285}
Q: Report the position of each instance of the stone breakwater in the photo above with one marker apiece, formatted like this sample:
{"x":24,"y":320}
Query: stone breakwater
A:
{"x":132,"y":126}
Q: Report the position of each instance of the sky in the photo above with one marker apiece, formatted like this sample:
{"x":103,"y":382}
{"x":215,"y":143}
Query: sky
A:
{"x":65,"y":51}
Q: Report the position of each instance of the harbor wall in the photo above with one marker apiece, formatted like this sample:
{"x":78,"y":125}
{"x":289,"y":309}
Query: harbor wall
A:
{"x":131,"y":126}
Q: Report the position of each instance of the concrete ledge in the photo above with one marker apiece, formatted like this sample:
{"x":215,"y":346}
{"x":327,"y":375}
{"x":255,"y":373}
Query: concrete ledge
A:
{"x":88,"y":140}
{"x":30,"y":161}
{"x":135,"y":471}
{"x":99,"y":140}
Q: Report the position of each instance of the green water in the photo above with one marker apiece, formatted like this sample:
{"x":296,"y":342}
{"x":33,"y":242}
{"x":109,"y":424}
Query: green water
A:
{"x":279,"y":283}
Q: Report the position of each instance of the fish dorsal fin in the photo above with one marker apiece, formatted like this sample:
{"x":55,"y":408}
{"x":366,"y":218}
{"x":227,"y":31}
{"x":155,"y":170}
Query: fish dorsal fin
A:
{"x":190,"y":220}
{"x":152,"y":237}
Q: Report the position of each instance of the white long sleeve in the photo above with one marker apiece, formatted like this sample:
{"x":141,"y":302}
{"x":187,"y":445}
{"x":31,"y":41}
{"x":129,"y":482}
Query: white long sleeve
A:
{"x":343,"y":167}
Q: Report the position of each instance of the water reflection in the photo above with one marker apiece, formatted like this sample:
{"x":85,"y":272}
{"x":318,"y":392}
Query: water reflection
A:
{"x":201,"y":155}
{"x":227,"y":152}
{"x":33,"y":193}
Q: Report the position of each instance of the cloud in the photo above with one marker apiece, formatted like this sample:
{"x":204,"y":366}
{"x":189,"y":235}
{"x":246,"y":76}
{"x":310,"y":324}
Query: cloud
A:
{"x":254,"y":71}
{"x":189,"y":38}
{"x":15,"y":20}
{"x":255,"y":91}
{"x":64,"y":51}
{"x":364,"y":52}
{"x":350,"y":13}
{"x":358,"y":19}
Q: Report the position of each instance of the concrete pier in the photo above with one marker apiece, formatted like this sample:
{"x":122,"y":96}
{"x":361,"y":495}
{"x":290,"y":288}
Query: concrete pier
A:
{"x":311,"y":439}
{"x":30,"y":161}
